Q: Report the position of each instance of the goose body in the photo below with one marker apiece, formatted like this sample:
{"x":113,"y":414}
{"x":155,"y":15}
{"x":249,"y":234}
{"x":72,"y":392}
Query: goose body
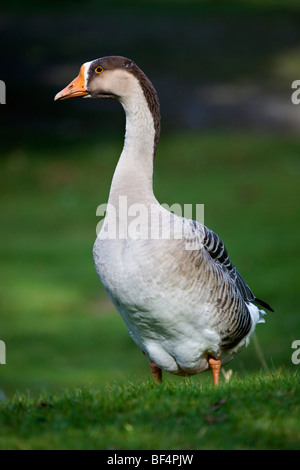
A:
{"x":184,"y":303}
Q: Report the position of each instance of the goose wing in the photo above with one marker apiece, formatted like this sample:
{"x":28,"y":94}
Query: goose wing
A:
{"x":219,"y":254}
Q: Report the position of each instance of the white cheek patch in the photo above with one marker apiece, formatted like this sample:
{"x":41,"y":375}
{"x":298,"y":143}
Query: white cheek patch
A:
{"x":86,"y":72}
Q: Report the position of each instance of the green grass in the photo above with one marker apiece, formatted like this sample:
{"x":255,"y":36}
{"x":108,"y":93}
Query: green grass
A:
{"x":259,"y":412}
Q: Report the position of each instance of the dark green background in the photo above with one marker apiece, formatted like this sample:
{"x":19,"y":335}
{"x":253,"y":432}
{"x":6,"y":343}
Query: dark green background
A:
{"x":230,"y":140}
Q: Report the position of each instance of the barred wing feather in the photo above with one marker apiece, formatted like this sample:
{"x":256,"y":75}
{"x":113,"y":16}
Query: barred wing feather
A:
{"x":217,"y":250}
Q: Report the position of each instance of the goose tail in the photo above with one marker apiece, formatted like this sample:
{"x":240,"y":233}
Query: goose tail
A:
{"x":263,"y":304}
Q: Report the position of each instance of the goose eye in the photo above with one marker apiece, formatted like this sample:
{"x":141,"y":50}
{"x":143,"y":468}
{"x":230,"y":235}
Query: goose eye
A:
{"x":98,"y":69}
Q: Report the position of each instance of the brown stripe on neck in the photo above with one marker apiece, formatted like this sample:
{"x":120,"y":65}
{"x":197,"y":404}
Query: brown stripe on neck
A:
{"x":151,"y":98}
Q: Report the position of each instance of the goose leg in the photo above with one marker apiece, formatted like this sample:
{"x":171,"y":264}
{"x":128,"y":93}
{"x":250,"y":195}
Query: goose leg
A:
{"x":215,"y":365}
{"x":156,"y":372}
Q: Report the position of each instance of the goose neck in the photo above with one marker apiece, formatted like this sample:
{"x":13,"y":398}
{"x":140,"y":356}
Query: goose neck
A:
{"x":133,"y":176}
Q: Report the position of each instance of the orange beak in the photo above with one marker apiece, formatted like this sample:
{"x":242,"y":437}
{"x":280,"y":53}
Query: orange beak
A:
{"x":75,"y":88}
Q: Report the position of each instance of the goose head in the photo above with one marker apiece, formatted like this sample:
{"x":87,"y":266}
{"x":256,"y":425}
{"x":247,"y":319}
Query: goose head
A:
{"x":113,"y":77}
{"x":107,"y":77}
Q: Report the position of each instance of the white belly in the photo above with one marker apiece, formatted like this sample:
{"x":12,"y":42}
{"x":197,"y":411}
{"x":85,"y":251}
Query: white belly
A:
{"x":160,"y":314}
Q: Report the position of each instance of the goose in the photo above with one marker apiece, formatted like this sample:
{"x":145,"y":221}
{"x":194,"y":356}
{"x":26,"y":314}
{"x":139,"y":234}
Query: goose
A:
{"x":184,"y":303}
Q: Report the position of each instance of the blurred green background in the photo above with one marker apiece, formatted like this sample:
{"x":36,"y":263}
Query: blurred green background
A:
{"x":230,"y":140}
